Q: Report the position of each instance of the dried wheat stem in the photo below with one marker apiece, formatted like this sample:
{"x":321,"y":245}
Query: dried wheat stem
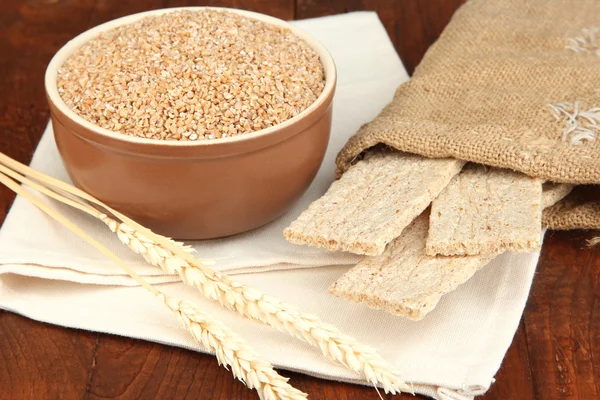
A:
{"x":230,"y":349}
{"x":593,"y":241}
{"x":174,"y":258}
{"x":62,"y":188}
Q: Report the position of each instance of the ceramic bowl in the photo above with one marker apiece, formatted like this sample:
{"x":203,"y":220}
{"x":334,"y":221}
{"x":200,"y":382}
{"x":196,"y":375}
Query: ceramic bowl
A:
{"x":195,"y":190}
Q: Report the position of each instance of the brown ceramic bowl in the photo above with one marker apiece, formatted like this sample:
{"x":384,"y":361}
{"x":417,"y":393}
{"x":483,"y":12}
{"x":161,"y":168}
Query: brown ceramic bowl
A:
{"x":195,"y":190}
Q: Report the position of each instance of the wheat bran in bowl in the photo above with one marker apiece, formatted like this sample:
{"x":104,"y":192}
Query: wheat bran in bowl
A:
{"x":180,"y":187}
{"x":191,"y":75}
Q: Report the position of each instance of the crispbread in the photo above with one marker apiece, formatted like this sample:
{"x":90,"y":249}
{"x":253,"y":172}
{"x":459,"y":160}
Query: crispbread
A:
{"x":373,"y":202}
{"x":486,"y":210}
{"x":554,"y":192}
{"x":404,"y":280}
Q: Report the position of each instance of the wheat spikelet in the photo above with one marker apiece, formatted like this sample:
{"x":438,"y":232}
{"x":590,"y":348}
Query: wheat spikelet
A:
{"x":253,"y":304}
{"x":231,"y":350}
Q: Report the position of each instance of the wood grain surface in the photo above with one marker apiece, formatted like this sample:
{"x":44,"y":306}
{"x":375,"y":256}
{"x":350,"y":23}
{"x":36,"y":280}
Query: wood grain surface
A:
{"x":556,"y":350}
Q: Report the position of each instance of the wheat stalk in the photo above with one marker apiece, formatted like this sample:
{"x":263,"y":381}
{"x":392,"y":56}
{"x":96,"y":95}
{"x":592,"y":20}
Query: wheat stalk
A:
{"x":256,"y":305}
{"x":174,"y":257}
{"x":230,"y":349}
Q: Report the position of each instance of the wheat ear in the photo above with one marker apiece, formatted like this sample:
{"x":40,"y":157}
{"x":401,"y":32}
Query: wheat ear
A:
{"x":230,"y":349}
{"x":173,"y":257}
{"x":253,"y":304}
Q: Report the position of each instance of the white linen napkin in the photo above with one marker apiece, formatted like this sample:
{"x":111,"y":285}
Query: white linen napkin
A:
{"x":49,"y":275}
{"x":454,"y":351}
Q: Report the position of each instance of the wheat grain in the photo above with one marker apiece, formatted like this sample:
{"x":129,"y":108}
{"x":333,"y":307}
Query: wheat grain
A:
{"x":191,"y":75}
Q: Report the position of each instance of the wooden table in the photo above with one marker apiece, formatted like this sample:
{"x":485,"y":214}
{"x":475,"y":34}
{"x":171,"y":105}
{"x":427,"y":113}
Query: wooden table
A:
{"x":556,"y":350}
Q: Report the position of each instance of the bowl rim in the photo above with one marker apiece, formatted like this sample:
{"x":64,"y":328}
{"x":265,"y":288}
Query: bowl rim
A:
{"x":50,"y":80}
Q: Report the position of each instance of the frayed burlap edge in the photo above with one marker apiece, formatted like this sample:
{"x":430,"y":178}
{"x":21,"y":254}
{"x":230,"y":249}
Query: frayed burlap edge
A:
{"x":587,"y":171}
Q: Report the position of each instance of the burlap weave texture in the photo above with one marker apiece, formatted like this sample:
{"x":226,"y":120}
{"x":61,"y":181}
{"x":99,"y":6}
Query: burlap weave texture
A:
{"x":512,"y":84}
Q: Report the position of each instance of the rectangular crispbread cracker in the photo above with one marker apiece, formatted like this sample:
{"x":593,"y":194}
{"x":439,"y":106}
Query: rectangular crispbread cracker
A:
{"x":372,"y":202}
{"x":404,"y":280}
{"x":486,"y":210}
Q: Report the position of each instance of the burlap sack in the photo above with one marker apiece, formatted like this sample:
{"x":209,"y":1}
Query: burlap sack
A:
{"x":513,"y":84}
